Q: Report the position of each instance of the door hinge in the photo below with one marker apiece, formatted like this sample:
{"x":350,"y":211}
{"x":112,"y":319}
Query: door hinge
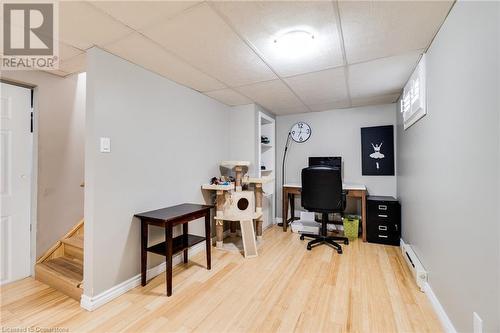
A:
{"x":31,"y":122}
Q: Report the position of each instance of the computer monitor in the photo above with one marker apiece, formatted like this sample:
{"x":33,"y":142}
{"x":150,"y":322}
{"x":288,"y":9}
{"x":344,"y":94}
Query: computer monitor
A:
{"x":333,"y":161}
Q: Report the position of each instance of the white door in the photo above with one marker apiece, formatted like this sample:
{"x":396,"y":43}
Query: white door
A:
{"x":15,"y":182}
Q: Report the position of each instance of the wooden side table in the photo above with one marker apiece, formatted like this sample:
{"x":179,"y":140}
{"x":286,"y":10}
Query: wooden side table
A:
{"x":168,"y":218}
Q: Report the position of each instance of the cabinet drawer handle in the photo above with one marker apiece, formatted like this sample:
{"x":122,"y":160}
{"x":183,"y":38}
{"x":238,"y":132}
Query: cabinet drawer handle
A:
{"x":382,"y":215}
{"x":382,"y":227}
{"x":382,"y":207}
{"x":382,"y":236}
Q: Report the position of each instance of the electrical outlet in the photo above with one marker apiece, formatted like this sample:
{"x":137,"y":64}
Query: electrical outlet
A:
{"x":477,"y":323}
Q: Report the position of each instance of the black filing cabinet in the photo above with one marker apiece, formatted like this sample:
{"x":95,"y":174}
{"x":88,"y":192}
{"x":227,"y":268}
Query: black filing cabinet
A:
{"x":383,"y":223}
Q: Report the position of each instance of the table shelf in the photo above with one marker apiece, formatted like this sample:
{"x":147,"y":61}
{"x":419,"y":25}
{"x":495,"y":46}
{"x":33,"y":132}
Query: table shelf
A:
{"x":180,"y":243}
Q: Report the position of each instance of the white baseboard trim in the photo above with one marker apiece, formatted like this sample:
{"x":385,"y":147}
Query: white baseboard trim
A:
{"x":436,"y":305}
{"x":90,"y":303}
{"x":438,"y":308}
{"x":267,"y":227}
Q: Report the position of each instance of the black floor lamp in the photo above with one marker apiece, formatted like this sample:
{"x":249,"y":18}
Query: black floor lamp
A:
{"x":300,"y":133}
{"x":287,"y":144}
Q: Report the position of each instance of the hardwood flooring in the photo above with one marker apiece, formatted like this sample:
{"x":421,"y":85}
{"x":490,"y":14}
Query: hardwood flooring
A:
{"x":287,"y":288}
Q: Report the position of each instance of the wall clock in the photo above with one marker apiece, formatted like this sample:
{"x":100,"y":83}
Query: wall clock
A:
{"x":300,"y":132}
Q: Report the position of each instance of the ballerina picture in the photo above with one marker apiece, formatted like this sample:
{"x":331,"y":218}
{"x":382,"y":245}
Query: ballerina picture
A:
{"x":377,"y":154}
{"x":377,"y":150}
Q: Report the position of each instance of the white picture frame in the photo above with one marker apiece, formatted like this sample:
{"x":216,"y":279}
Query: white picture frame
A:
{"x":413,"y":104}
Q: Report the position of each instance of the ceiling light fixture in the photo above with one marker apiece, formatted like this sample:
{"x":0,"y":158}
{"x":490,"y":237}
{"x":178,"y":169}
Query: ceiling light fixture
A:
{"x":294,"y":43}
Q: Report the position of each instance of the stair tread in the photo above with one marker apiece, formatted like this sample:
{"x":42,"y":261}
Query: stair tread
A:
{"x":76,"y":241}
{"x":66,"y":268}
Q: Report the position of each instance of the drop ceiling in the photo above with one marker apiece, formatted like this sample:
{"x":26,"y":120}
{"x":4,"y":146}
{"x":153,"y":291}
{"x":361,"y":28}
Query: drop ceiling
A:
{"x":364,"y":51}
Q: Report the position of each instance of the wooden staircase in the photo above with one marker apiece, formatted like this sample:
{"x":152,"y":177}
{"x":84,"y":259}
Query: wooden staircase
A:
{"x":61,"y":267}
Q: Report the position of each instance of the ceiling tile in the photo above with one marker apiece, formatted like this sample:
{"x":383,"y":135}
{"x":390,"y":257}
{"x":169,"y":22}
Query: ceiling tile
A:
{"x":375,"y":29}
{"x":57,"y":72}
{"x":382,"y":76}
{"x":81,"y":25}
{"x":67,"y":51}
{"x":273,"y":95}
{"x":320,"y":87}
{"x":260,"y":22}
{"x":139,"y":14}
{"x":330,"y":106}
{"x":375,"y":100}
{"x":228,"y":97}
{"x":203,"y":39}
{"x":76,"y":64}
{"x":143,"y":52}
{"x":291,"y":110}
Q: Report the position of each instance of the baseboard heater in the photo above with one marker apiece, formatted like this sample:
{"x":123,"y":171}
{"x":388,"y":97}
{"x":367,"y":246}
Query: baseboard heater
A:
{"x":415,"y":265}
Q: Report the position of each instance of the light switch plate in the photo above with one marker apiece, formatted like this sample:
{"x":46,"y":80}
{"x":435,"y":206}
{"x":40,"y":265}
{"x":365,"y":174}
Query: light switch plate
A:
{"x":105,"y":145}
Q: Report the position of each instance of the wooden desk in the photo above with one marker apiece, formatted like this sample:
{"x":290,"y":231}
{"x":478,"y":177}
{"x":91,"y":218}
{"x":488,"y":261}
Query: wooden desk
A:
{"x":291,"y":190}
{"x":168,"y":218}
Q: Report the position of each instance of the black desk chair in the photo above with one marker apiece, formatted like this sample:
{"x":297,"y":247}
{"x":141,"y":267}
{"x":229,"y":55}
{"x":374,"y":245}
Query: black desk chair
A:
{"x":322,"y":193}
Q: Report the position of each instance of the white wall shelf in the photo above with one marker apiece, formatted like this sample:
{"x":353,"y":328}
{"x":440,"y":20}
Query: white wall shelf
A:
{"x":266,"y":157}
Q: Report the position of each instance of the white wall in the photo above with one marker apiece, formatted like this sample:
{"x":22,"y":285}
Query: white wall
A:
{"x":59,"y":137}
{"x":243,"y":135}
{"x":498,"y":103}
{"x":334,"y":133}
{"x":448,"y":167}
{"x":166,"y":140}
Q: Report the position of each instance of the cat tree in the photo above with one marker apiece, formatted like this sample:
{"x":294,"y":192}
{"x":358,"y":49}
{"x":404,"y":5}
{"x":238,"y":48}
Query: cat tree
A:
{"x":235,"y":205}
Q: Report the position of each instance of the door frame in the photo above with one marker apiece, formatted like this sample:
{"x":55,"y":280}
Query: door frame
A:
{"x":34,"y":169}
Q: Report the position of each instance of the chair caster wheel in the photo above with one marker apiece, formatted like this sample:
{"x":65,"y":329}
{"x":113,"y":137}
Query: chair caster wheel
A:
{"x":301,"y":237}
{"x":339,"y":251}
{"x":346,"y":242}
{"x":309,"y":247}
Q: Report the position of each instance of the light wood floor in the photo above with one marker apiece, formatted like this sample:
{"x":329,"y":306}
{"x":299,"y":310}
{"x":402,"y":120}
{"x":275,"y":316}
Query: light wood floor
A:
{"x":287,"y":288}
